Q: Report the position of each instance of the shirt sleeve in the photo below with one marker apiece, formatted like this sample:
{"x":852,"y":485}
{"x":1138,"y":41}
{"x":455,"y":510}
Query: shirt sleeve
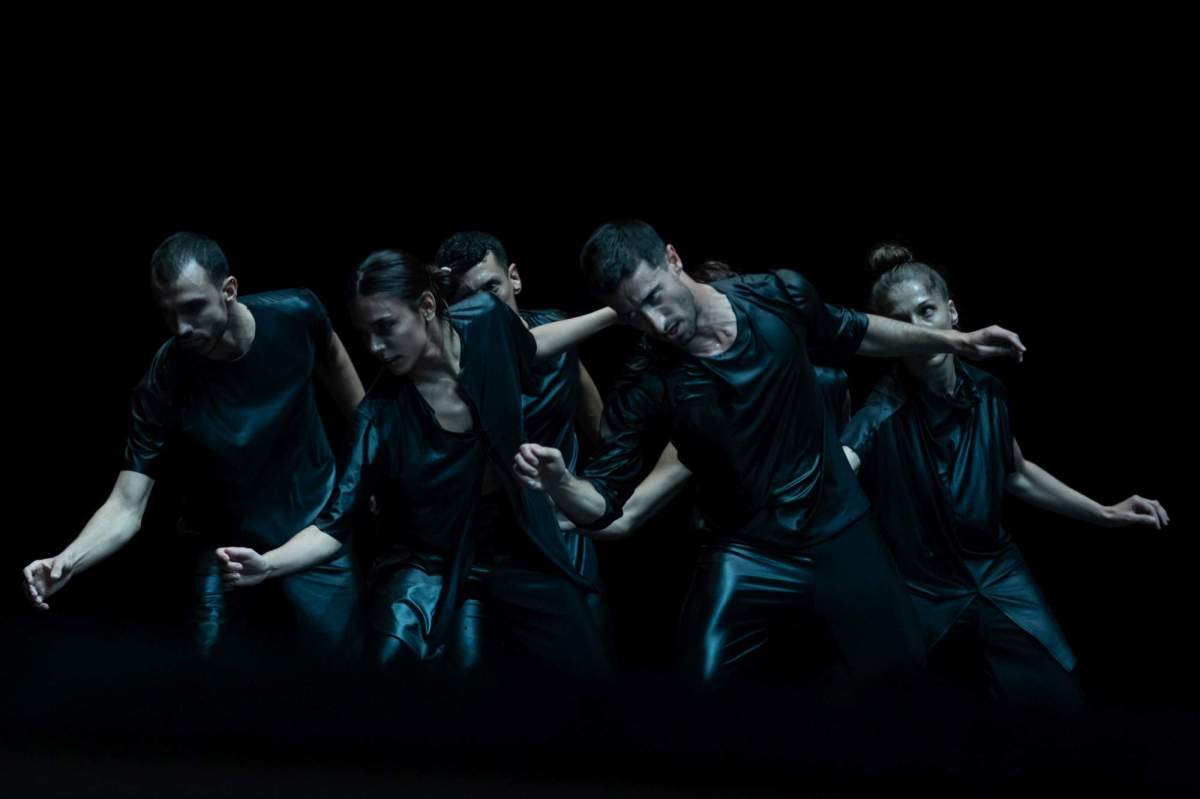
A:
{"x":862,"y":434}
{"x":523,"y":342}
{"x":358,"y":478}
{"x":834,"y":333}
{"x":153,"y":419}
{"x":320,"y":329}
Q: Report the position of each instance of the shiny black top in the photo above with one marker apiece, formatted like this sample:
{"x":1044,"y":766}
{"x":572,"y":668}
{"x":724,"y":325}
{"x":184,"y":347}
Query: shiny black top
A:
{"x":751,"y":423}
{"x":934,"y":468}
{"x":833,"y":383}
{"x":426,"y":479}
{"x":550,"y":407}
{"x":245,"y":435}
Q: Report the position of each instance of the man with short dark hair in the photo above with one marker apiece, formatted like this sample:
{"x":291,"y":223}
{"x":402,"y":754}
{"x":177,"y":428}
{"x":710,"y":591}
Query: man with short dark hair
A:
{"x":728,"y":379}
{"x":229,"y":401}
{"x":565,"y":401}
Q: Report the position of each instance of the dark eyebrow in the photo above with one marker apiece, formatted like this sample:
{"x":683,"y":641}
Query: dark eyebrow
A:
{"x":644,"y":299}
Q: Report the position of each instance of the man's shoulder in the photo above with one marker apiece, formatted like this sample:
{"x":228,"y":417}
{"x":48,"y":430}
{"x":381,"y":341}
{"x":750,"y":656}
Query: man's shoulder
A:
{"x":297,"y":302}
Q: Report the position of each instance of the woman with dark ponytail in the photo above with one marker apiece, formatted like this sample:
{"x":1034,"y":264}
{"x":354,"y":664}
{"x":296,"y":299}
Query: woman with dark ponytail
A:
{"x":934,"y":449}
{"x":433,"y":441}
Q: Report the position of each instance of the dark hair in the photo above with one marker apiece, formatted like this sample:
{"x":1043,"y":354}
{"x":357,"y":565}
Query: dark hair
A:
{"x":394,"y":273}
{"x":615,"y":249}
{"x":180,"y":249}
{"x":892,"y":265}
{"x":461,"y":253}
{"x":710,"y":271}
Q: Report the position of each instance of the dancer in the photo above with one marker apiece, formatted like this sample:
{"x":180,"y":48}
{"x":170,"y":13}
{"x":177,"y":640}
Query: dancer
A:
{"x":432,"y":444}
{"x":229,"y":400}
{"x":937,"y":455}
{"x":729,"y":381}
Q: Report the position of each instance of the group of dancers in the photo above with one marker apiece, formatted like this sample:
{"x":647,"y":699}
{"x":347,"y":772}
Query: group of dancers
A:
{"x":465,"y":481}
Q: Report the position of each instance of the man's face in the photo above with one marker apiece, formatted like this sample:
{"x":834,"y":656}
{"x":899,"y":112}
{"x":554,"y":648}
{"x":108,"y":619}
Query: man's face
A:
{"x":655,"y":300}
{"x":195,"y":309}
{"x":488,"y":275}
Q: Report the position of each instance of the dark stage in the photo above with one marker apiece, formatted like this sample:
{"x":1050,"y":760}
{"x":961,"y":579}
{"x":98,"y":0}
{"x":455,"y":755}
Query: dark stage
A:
{"x":1082,"y":262}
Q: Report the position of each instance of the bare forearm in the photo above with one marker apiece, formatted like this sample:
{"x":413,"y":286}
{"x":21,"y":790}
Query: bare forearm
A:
{"x":578,"y":499}
{"x":343,"y":384}
{"x":109,"y":529}
{"x":653,"y":495}
{"x":557,"y":337}
{"x":1033,"y":484}
{"x":338,"y":376}
{"x":660,"y":486}
{"x":305,"y":549}
{"x":887,"y":338}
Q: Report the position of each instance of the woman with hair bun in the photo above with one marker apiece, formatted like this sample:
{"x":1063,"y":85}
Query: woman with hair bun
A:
{"x":935,"y":452}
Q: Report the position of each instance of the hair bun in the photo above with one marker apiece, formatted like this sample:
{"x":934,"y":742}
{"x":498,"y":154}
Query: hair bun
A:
{"x":887,"y":256}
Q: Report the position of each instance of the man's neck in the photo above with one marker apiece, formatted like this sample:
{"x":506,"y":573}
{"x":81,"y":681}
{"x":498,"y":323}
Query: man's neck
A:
{"x":238,"y":337}
{"x":716,"y":323}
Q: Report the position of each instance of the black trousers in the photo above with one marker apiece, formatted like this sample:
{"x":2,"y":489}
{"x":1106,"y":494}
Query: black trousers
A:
{"x":988,"y":652}
{"x":581,"y":552}
{"x":848,"y":586}
{"x":317,"y":611}
{"x":516,"y":607}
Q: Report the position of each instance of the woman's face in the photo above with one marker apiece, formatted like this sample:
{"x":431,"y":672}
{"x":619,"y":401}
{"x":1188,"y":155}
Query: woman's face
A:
{"x":393,"y":331}
{"x":917,"y":302}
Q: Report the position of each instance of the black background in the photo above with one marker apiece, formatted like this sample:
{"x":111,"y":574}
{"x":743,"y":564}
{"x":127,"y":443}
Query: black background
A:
{"x":1055,"y":213}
